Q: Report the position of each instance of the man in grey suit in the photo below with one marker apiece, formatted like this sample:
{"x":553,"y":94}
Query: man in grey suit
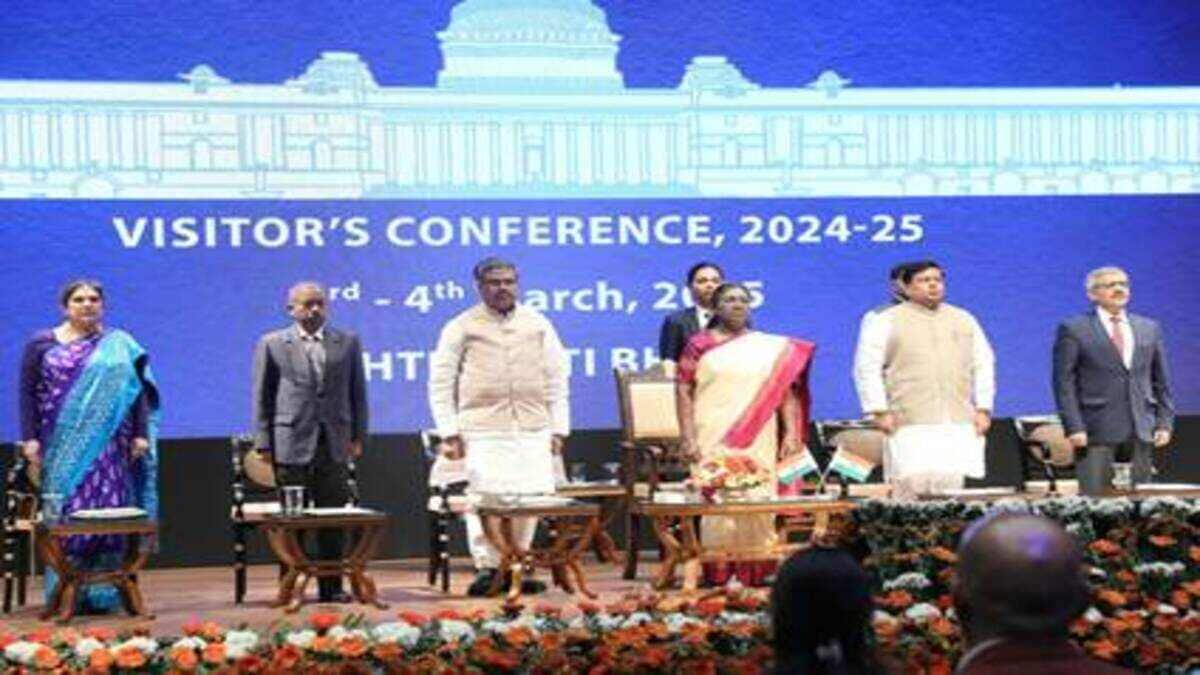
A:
{"x":310,"y":410}
{"x":1111,"y":384}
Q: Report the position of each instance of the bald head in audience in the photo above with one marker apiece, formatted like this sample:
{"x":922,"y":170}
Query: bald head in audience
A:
{"x":1018,"y":575}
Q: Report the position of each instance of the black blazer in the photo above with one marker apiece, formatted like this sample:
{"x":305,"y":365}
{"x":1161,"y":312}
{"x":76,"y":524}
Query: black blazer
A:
{"x":677,"y":329}
{"x":1096,"y":393}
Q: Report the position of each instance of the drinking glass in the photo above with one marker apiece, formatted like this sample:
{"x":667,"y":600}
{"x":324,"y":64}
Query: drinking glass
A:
{"x":293,"y":500}
{"x":52,"y":507}
{"x":577,"y":473}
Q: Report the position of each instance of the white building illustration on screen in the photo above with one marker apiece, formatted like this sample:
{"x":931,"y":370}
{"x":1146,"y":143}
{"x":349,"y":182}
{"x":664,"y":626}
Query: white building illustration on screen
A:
{"x":529,"y":104}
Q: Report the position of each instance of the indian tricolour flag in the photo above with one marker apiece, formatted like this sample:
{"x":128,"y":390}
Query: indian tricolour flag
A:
{"x":793,"y":468}
{"x":850,"y":465}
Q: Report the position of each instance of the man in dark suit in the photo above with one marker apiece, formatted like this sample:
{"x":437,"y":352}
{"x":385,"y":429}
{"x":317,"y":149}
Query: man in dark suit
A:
{"x":1018,"y":585}
{"x":1111,"y":384}
{"x":310,"y":410}
{"x":702,"y":280}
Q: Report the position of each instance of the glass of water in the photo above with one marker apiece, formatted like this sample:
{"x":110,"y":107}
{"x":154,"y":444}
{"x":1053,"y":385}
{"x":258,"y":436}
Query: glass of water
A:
{"x":577,"y":472}
{"x":1122,"y":476}
{"x":52,"y":507}
{"x":293,"y":500}
{"x":614,"y":470}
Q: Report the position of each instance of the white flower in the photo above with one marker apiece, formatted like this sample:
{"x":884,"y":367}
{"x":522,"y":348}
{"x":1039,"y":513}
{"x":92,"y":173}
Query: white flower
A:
{"x":608,"y":621}
{"x":1093,"y":615}
{"x":85,"y":647}
{"x":1159,"y":569}
{"x":301,"y":638}
{"x":337,"y":632}
{"x":908,"y":580}
{"x":880,"y":616}
{"x":1164,"y":608}
{"x":451,"y":629}
{"x":190,"y":643}
{"x":922,"y":611}
{"x":239,"y":643}
{"x":22,"y":652}
{"x":144,"y":645}
{"x":676,"y":622}
{"x":397,"y":631}
{"x":636,"y":619}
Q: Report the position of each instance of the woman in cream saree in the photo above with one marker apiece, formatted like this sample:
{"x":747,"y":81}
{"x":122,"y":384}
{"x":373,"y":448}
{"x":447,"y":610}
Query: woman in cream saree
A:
{"x":743,"y":393}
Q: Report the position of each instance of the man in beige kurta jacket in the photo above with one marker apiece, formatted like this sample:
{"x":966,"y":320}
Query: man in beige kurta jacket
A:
{"x":498,"y":393}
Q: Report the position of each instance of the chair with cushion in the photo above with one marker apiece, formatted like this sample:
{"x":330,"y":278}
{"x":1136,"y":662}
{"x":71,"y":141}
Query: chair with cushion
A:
{"x":650,"y":444}
{"x":1047,"y":457}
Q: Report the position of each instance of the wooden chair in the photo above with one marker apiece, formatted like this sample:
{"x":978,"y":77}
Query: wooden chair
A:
{"x":20,"y":525}
{"x":1047,"y":457}
{"x":447,"y":502}
{"x":256,"y":498}
{"x":649,"y":444}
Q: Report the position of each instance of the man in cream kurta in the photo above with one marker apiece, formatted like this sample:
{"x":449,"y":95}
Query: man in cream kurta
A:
{"x":925,"y":374}
{"x":498,"y":392}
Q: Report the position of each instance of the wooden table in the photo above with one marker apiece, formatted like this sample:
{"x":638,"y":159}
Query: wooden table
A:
{"x":686,"y":549}
{"x":611,"y":496}
{"x":363,"y":531}
{"x":570,"y":529}
{"x":51,"y":542}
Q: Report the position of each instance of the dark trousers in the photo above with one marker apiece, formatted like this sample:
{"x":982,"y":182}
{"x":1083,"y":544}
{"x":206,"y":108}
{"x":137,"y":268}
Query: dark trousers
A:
{"x":324,"y":482}
{"x":1093,"y":464}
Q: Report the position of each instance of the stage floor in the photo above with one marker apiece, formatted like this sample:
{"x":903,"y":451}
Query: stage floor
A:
{"x":178,"y":595}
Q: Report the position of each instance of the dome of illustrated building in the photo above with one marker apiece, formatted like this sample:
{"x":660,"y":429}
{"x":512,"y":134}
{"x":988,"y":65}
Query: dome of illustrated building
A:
{"x":532,"y":46}
{"x":336,"y":71}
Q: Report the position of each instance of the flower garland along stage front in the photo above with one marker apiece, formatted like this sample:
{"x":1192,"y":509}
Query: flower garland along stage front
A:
{"x":1144,"y":559}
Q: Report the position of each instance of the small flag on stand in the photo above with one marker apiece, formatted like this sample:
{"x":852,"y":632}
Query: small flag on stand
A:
{"x":849,"y":465}
{"x":793,"y":468}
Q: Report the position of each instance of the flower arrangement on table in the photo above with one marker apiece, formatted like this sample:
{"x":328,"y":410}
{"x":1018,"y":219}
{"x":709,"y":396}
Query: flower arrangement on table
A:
{"x":727,"y":476}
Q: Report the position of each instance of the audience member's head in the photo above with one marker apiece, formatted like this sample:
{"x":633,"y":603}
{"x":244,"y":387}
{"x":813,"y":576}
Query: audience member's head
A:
{"x":1018,"y":575}
{"x":820,"y":612}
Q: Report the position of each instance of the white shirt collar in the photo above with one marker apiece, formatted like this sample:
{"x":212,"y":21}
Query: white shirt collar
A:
{"x":1106,"y":316}
{"x":319,"y":336}
{"x":703,"y":313}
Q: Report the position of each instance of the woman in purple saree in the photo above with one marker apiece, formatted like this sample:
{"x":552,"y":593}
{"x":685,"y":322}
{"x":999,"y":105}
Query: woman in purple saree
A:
{"x":89,"y":426}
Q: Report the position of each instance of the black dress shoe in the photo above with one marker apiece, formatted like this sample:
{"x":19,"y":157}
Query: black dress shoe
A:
{"x":528,"y":586}
{"x":532,"y":587}
{"x":482,"y":583}
{"x":338,"y":597}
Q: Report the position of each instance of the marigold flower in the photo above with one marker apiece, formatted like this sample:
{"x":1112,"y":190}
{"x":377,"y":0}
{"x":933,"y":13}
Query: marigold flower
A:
{"x":1163,"y":540}
{"x":519,"y":636}
{"x":100,"y":661}
{"x":387,"y":652}
{"x":126,"y":658}
{"x":413,"y":618}
{"x":250,"y":663}
{"x":214,"y":653}
{"x":287,"y":656}
{"x":322,"y":644}
{"x":1103,"y":649}
{"x":943,"y":554}
{"x":323,"y":621}
{"x":1105,"y":547}
{"x":352,"y":647}
{"x":1111,"y":597}
{"x":184,"y":659}
{"x":46,"y":658}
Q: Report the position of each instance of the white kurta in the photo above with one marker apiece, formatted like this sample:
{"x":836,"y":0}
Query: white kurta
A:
{"x":950,"y":448}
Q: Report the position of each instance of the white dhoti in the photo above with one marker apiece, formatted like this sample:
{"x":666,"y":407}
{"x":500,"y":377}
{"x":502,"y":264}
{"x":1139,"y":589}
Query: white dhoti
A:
{"x":505,"y":462}
{"x":930,"y":458}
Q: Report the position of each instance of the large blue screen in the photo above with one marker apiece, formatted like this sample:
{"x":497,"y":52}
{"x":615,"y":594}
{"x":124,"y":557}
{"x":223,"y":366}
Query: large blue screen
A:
{"x":201,"y":157}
